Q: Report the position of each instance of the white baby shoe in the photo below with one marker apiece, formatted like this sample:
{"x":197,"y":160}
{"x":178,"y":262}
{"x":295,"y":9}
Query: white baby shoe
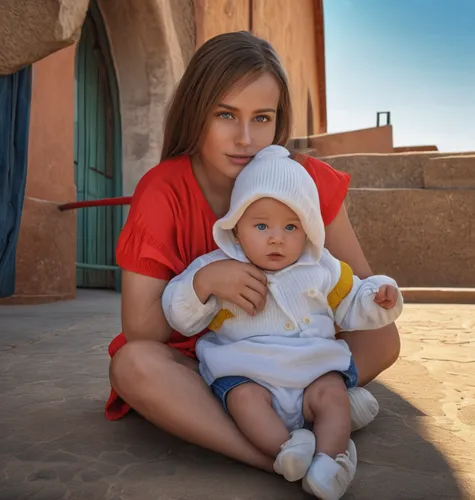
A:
{"x":329,"y":479}
{"x":363,"y":407}
{"x":296,"y":455}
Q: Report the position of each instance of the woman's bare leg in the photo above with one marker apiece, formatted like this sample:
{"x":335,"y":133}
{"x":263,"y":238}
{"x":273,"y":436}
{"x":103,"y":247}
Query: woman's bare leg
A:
{"x":373,"y":350}
{"x":163,"y":386}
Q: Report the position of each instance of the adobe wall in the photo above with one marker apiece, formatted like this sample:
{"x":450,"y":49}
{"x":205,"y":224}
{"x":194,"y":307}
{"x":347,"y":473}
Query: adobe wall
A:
{"x":396,"y":170}
{"x":150,"y":47}
{"x":368,"y":140}
{"x":297,"y":36}
{"x":414,"y":215}
{"x":414,"y":149}
{"x":46,"y":251}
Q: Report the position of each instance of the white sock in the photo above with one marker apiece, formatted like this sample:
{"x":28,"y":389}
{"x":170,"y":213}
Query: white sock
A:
{"x":363,"y":407}
{"x":296,"y":455}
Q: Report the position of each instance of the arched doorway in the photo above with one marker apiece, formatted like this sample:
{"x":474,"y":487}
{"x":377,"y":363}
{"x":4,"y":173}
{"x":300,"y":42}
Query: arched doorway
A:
{"x":97,"y":155}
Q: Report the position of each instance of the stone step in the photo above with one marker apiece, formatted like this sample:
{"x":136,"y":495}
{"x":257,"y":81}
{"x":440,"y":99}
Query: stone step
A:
{"x":450,"y":172}
{"x":439,"y":295}
{"x":395,"y":170}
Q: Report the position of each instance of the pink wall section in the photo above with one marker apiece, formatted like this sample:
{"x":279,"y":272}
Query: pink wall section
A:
{"x":46,"y":252}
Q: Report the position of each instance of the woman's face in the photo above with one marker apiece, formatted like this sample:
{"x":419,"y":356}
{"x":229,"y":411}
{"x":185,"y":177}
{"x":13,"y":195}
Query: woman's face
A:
{"x":242,"y":123}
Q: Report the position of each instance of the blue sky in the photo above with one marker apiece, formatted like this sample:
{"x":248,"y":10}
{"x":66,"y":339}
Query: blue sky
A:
{"x":415,"y":58}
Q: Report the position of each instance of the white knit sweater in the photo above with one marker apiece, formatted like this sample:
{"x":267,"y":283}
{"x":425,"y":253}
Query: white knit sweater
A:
{"x":292,"y":341}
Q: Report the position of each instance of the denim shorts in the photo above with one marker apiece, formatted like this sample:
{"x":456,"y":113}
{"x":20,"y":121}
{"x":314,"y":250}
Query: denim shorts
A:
{"x":222,"y":386}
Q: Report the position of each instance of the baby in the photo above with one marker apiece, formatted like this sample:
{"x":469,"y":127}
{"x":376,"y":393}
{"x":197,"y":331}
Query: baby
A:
{"x":281,"y":368}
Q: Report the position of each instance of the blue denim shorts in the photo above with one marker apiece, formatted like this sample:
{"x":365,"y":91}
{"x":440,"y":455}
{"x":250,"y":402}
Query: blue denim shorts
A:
{"x":222,"y":386}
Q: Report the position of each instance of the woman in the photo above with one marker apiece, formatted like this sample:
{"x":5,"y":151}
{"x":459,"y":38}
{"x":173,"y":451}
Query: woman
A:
{"x":232,"y":101}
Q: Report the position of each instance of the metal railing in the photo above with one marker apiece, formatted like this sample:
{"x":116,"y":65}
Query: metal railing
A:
{"x":104,"y":202}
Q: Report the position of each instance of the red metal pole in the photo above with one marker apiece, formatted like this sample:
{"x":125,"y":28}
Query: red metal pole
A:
{"x":107,"y":202}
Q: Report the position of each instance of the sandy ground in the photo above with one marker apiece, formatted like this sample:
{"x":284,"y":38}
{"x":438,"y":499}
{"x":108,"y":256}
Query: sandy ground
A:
{"x":56,"y":444}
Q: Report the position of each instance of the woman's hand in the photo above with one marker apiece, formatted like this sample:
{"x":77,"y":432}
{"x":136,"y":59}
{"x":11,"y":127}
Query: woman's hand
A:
{"x":242,"y":284}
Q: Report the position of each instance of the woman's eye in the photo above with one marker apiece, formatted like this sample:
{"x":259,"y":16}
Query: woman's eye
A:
{"x":262,"y":118}
{"x":261,"y":227}
{"x":290,"y":227}
{"x":226,"y":115}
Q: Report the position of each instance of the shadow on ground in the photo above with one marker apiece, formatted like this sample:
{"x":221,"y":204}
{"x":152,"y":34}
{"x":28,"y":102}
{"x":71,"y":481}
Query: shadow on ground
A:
{"x":56,"y":443}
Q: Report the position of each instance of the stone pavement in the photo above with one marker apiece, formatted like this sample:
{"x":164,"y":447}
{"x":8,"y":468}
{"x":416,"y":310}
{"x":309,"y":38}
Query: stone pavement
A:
{"x":56,"y":444}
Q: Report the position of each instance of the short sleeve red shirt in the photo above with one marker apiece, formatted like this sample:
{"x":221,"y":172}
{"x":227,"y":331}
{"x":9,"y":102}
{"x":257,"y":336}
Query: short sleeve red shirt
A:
{"x":170,"y":224}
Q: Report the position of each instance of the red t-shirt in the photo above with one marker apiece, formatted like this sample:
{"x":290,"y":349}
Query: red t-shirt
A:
{"x":170,"y":225}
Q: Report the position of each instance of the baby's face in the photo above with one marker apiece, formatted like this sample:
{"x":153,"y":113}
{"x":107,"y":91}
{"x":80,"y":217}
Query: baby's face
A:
{"x":270,"y":234}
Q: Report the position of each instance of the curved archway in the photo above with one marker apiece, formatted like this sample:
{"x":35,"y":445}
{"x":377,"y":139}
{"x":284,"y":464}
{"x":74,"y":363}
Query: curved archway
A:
{"x":138,"y":54}
{"x":150,"y":46}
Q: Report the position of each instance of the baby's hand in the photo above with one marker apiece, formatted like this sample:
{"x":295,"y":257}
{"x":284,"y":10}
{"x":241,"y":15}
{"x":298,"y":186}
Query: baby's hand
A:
{"x":386,"y":297}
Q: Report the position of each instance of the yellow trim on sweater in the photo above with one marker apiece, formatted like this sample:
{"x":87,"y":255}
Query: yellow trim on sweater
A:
{"x":339,"y":292}
{"x":221,"y":316}
{"x":343,"y":287}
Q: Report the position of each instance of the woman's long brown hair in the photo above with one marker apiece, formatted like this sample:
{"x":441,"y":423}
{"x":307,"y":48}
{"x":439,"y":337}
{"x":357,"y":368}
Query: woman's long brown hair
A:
{"x":216,"y":68}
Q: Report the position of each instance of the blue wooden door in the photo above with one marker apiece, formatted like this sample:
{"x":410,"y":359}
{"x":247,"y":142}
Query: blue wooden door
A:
{"x":97,"y":157}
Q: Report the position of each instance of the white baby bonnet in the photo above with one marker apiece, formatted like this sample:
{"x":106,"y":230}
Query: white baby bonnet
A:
{"x":273,"y":174}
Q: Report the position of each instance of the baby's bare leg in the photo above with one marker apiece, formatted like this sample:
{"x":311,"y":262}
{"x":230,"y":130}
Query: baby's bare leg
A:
{"x":326,"y":404}
{"x":250,"y":405}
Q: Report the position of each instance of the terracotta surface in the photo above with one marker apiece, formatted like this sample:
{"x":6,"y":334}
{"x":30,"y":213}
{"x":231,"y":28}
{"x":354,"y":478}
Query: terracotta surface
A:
{"x":413,"y":214}
{"x":421,"y":237}
{"x":456,"y":172}
{"x":297,"y":36}
{"x":398,"y":170}
{"x":51,"y":143}
{"x":31,"y":30}
{"x":46,"y":251}
{"x":46,"y":255}
{"x":368,"y":140}
{"x":294,"y":34}
{"x":321,"y":71}
{"x":413,"y":149}
{"x":57,"y":445}
{"x":220,"y":16}
{"x":439,"y":295}
{"x":150,"y":47}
